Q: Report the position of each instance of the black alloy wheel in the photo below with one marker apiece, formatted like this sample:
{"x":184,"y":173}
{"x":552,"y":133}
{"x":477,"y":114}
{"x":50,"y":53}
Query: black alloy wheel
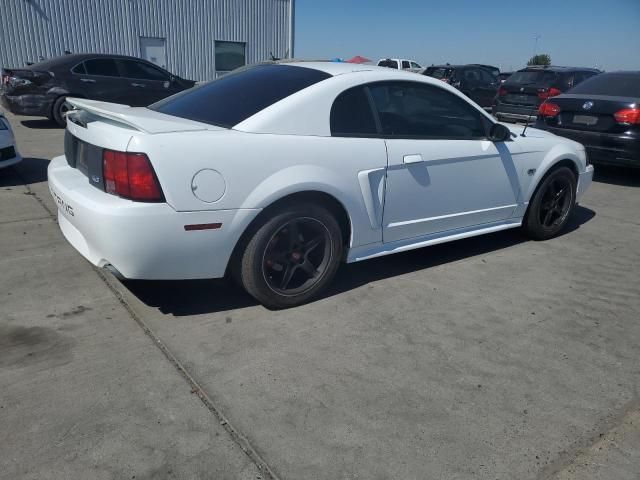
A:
{"x":551,"y":204}
{"x":291,"y":256}
{"x":297,"y":256}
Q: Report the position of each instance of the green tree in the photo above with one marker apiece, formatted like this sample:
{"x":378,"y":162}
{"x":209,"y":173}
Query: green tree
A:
{"x":540,"y":59}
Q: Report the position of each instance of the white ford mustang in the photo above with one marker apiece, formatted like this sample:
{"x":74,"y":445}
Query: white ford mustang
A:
{"x":278,"y":172}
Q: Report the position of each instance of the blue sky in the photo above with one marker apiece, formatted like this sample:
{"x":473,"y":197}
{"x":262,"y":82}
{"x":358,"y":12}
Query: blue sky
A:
{"x":603,"y":33}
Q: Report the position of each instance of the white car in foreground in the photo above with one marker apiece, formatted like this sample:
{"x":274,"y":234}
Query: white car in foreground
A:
{"x":278,"y":172}
{"x":8,"y":152}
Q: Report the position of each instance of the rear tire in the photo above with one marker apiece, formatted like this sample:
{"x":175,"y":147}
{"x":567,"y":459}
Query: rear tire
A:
{"x":292,"y":256}
{"x":60,"y":107}
{"x":551,"y":205}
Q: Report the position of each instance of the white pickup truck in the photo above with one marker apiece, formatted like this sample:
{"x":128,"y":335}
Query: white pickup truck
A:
{"x":400,"y":64}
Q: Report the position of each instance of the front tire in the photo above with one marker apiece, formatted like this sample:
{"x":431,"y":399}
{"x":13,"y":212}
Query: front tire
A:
{"x":551,"y":205}
{"x":292,"y":256}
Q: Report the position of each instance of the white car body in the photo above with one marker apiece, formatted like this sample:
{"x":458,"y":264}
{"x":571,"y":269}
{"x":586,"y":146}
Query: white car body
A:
{"x":8,"y":152}
{"x":403,"y":64}
{"x":227,"y":176}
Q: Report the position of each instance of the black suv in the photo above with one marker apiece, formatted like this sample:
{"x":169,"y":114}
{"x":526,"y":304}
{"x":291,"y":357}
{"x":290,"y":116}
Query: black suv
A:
{"x":478,"y":82}
{"x":522,"y":93}
{"x":41,"y":89}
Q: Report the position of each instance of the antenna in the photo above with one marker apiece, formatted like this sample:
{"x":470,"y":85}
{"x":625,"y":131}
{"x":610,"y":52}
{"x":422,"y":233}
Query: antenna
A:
{"x":526,"y":125}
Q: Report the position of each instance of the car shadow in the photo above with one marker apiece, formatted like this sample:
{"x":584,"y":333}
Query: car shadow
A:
{"x":41,"y":123}
{"x":613,"y":175}
{"x":193,"y":297}
{"x":29,"y":170}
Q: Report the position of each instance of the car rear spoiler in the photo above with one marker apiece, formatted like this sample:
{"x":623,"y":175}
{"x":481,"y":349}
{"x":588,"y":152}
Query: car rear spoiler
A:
{"x":138,"y":118}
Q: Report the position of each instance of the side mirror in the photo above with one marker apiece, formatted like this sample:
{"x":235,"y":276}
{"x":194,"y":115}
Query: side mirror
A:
{"x":499,"y":133}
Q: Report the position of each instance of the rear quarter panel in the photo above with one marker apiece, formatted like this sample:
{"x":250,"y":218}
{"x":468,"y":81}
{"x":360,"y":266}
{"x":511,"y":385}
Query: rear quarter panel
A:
{"x":259,"y":169}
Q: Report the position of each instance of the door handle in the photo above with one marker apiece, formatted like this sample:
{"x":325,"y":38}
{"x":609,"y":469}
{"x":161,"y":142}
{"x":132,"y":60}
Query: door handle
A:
{"x":415,"y":158}
{"x":139,"y":85}
{"x":88,"y":80}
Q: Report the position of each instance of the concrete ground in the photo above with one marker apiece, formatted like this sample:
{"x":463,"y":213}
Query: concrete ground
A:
{"x":490,"y":358}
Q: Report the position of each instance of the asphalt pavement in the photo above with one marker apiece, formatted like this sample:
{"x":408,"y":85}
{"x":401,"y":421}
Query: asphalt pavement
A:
{"x":495,"y":357}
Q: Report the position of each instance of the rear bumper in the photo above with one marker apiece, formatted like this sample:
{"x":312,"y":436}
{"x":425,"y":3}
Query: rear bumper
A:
{"x":142,"y":240}
{"x":604,"y":148}
{"x":514,"y":113}
{"x":27,"y":104}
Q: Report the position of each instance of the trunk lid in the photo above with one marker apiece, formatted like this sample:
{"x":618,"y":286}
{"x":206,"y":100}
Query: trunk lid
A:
{"x":94,"y":126}
{"x":594,"y":113}
{"x":17,"y":80}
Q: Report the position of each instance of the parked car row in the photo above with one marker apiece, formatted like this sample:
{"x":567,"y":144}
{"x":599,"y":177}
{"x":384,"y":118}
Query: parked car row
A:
{"x":42,"y":89}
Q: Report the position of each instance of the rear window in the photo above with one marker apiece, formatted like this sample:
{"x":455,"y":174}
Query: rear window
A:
{"x":388,"y":63}
{"x":615,"y":84}
{"x":439,"y":73}
{"x":229,"y":100}
{"x":533,"y":77}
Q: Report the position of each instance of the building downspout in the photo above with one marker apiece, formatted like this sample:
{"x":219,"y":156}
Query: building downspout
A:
{"x":292,"y":15}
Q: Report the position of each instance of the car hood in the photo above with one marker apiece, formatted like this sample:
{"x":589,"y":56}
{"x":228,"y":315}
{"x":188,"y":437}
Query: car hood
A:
{"x":531,"y":132}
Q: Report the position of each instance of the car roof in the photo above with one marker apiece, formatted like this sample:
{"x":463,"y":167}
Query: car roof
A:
{"x":334,"y":68}
{"x":73,"y":59}
{"x":314,"y":103}
{"x":558,"y":68}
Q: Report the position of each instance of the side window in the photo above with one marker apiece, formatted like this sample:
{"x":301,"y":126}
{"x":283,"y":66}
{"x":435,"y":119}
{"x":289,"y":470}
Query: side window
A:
{"x":405,"y":64}
{"x":142,"y":71}
{"x":485,"y":76}
{"x":472,"y":76}
{"x":414,"y":110}
{"x":79,"y":69}
{"x":569,"y":80}
{"x":102,"y":66}
{"x":415,"y":65}
{"x":351,"y":115}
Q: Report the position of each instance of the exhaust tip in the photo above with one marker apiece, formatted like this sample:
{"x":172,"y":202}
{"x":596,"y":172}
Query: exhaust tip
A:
{"x":114,"y":271}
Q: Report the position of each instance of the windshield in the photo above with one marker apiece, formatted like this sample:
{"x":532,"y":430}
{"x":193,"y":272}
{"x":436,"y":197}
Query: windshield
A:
{"x":229,"y":100}
{"x":615,"y":84}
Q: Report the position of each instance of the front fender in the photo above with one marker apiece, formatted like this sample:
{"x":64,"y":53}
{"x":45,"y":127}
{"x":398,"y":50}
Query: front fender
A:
{"x":558,"y":153}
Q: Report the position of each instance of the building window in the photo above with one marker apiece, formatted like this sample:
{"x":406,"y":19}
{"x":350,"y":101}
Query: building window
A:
{"x":230,"y":55}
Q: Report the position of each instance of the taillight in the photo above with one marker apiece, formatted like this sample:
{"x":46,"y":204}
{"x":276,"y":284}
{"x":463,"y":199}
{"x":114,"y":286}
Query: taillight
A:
{"x":130,"y":175}
{"x":629,"y":116}
{"x":549,"y":109}
{"x":545,"y":93}
{"x":502,"y":91}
